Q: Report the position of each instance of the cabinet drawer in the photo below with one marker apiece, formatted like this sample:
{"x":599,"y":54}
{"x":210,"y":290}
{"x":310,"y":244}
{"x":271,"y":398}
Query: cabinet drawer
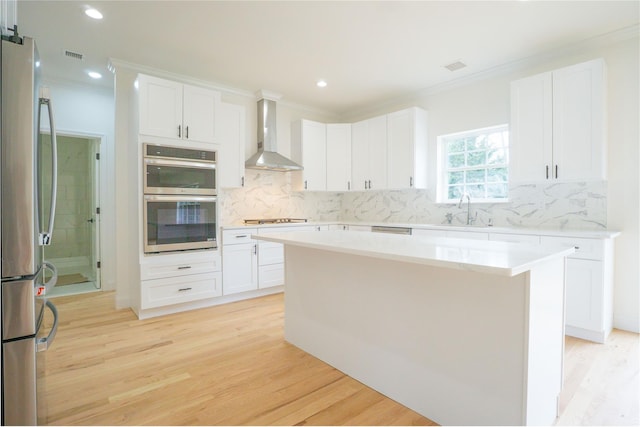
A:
{"x":585,"y":248}
{"x":515,"y":238}
{"x":176,"y":290}
{"x":174,"y":268}
{"x":270,"y":275}
{"x":236,"y":237}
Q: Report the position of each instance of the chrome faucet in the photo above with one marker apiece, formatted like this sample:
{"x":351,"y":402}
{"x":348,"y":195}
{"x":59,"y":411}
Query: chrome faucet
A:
{"x":470,"y":220}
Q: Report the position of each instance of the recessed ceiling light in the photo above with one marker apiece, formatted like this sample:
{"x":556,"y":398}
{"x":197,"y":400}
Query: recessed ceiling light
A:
{"x":94,"y":75}
{"x":321,"y":83}
{"x":93,"y":13}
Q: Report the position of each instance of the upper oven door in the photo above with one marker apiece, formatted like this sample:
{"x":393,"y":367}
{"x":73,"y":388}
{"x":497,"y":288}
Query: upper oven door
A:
{"x":165,"y":176}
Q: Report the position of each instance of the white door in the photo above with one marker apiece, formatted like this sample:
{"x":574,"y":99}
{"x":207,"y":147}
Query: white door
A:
{"x":230,"y":166}
{"x":239,"y":268}
{"x":314,"y":155}
{"x":584,"y":294}
{"x":578,"y":122}
{"x":378,"y":152}
{"x":339,"y":157}
{"x":400,"y":158}
{"x":359,"y":155}
{"x":199,"y":110}
{"x":531,"y":129}
{"x":160,"y":107}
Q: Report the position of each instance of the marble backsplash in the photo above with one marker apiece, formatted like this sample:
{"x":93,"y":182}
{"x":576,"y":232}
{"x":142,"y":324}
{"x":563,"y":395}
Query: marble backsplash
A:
{"x":575,"y":206}
{"x":269,"y":194}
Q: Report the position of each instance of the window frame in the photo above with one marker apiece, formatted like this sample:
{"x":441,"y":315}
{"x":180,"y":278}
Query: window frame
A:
{"x":443,"y":169}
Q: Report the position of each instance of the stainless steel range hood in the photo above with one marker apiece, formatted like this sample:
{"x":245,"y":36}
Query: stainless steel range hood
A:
{"x":267,"y":157}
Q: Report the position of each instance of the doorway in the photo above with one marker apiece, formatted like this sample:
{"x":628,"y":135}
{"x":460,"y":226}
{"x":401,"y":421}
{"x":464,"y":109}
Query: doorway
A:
{"x":75,"y":245}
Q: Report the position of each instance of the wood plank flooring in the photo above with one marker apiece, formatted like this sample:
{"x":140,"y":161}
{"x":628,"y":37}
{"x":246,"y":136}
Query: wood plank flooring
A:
{"x":229,"y":365}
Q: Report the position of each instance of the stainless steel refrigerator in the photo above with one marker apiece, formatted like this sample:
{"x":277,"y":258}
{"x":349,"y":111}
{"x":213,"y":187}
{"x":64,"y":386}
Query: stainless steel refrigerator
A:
{"x":26,"y":226}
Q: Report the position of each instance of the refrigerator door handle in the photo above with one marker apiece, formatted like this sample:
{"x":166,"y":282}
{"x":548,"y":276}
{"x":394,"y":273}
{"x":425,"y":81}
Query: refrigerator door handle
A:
{"x":44,"y":288}
{"x":44,"y":237}
{"x":43,"y":344}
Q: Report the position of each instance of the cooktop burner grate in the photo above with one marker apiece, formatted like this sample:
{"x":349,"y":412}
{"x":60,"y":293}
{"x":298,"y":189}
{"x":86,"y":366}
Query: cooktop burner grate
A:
{"x":274,"y":220}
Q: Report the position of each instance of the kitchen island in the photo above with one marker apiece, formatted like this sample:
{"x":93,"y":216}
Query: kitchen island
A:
{"x":461,"y":331}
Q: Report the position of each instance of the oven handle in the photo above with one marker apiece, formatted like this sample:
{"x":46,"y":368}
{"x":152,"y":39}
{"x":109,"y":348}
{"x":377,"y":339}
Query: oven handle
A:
{"x":163,"y":198}
{"x":180,"y":163}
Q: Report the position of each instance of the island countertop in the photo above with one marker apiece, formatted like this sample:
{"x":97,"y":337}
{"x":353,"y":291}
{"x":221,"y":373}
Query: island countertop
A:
{"x":500,"y":258}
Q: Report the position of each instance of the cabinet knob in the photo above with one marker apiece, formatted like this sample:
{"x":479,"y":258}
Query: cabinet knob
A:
{"x":242,"y":181}
{"x":369,"y":184}
{"x":547,"y":166}
{"x":179,"y":131}
{"x":410,"y":181}
{"x":305,"y":184}
{"x":556,"y":171}
{"x":186,"y":132}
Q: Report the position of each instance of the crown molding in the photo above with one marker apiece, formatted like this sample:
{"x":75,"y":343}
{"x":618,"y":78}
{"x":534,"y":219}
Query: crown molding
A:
{"x":603,"y":40}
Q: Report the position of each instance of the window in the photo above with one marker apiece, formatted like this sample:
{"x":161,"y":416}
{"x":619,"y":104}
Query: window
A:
{"x":476,"y":162}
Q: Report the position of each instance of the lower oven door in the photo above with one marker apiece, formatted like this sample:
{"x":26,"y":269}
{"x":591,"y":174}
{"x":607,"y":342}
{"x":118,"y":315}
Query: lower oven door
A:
{"x":174,"y":223}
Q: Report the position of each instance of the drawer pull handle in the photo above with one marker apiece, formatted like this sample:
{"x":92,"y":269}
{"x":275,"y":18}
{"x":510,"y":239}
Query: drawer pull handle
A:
{"x":576,"y":247}
{"x":184,"y":267}
{"x":241,"y":236}
{"x":184,"y":289}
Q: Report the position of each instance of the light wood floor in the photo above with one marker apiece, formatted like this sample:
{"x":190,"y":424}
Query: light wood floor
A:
{"x":229,"y":365}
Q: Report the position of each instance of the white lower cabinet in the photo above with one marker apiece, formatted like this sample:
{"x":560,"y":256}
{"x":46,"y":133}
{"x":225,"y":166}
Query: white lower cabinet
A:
{"x":176,"y":290}
{"x":467,"y":235}
{"x":515,"y":238}
{"x":179,"y":278}
{"x":589,"y":287}
{"x":239,"y":266}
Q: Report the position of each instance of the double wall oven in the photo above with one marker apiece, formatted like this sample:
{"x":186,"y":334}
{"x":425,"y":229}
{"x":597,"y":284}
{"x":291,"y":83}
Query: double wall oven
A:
{"x":180,"y":199}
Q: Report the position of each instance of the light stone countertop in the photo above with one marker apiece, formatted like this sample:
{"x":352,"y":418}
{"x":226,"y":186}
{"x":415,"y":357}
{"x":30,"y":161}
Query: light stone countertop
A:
{"x":585,"y":234}
{"x":500,"y":258}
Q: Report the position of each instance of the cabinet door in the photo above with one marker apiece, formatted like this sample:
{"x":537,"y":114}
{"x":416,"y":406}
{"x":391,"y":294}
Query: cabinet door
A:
{"x":531,"y":129}
{"x":468,"y":235}
{"x":359,"y":155}
{"x":239,"y":268}
{"x":199,"y":110}
{"x":231,"y":130}
{"x":578,"y":122}
{"x":584,"y":294}
{"x":377,"y":133}
{"x":407,"y":149}
{"x":428,"y":233}
{"x":338,"y":157}
{"x":160,"y":107}
{"x":314,"y":155}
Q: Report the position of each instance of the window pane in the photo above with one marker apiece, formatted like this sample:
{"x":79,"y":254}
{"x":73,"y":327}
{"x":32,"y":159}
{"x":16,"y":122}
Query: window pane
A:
{"x":497,"y":191}
{"x":455,"y":178}
{"x":476,"y":158}
{"x":496,"y":157}
{"x":497,"y":175}
{"x":456,"y":160}
{"x":476,"y":191}
{"x":454,"y":192}
{"x":477,"y":142}
{"x":455,"y":146}
{"x":476,"y":175}
{"x":497,"y":140}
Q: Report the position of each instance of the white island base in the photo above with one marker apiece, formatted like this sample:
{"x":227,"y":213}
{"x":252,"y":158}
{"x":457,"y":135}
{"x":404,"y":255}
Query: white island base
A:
{"x":457,"y":346}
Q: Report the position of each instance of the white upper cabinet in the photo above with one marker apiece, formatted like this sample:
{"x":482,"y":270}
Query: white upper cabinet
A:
{"x":407,"y":149}
{"x":309,"y":149}
{"x":174,"y":110}
{"x":339,"y":157}
{"x":369,"y":154}
{"x":558,"y":125}
{"x":231,"y":135}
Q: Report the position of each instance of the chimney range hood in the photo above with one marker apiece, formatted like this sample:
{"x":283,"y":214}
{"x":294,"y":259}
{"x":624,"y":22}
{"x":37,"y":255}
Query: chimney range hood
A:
{"x":267,"y":157}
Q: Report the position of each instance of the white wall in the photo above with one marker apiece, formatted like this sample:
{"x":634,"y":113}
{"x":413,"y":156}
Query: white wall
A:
{"x":88,"y":110}
{"x":485,"y":101}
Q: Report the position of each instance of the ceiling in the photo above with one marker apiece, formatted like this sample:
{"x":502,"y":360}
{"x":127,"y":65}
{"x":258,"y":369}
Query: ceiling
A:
{"x":367,"y":51}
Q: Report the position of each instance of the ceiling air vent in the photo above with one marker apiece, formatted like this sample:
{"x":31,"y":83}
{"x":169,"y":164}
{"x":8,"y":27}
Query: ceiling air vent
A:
{"x":455,"y":66}
{"x":73,"y":55}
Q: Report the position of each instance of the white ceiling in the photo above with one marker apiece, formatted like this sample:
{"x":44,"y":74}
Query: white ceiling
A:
{"x":367,"y":51}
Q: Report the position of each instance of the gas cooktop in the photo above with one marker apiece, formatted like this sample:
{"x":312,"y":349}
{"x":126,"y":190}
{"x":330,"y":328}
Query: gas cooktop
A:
{"x":274,"y":220}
